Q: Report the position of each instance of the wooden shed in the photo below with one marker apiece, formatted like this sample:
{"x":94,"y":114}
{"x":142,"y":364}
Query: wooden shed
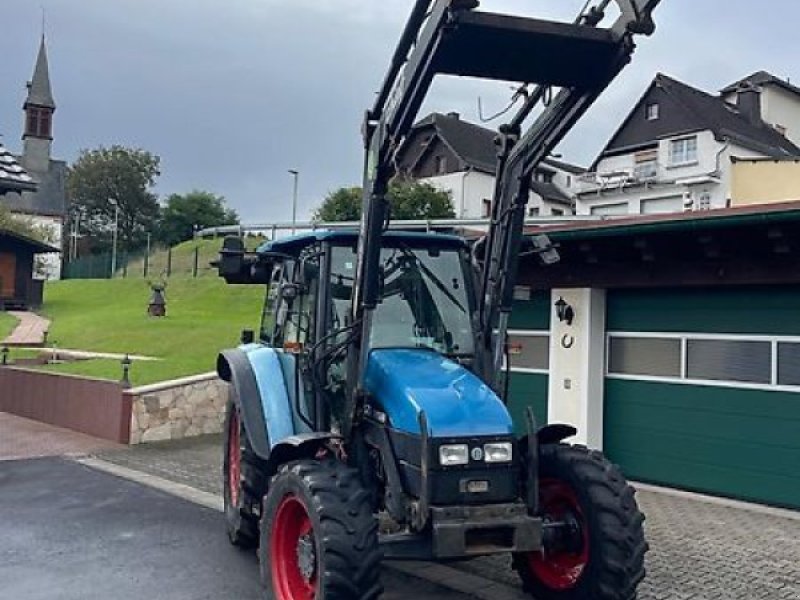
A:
{"x":18,"y":288}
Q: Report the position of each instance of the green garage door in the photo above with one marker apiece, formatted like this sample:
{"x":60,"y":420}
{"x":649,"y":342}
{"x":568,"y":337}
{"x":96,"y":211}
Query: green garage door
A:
{"x":703,"y":390}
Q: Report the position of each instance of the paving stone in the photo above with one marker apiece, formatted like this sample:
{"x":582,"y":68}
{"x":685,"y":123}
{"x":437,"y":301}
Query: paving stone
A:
{"x":699,"y":550}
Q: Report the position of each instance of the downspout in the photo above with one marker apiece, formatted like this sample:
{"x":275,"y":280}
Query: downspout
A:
{"x":464,"y":192}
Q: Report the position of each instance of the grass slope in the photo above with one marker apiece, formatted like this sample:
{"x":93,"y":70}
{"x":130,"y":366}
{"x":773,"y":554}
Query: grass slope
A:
{"x":203,"y":316}
{"x":7,"y":324}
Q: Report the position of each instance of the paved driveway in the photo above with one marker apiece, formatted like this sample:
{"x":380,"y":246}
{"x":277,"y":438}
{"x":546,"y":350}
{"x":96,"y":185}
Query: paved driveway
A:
{"x":68,"y":532}
{"x":699,"y":551}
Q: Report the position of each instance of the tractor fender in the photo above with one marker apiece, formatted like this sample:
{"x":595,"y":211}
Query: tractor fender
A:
{"x":235,"y":368}
{"x":304,"y":445}
{"x":555,"y":433}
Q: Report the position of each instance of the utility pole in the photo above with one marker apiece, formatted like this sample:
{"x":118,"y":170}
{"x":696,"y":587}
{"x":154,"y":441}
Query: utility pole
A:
{"x":115,"y":204}
{"x":296,"y":174}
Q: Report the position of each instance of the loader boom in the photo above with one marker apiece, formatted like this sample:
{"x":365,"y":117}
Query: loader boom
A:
{"x":451,"y":37}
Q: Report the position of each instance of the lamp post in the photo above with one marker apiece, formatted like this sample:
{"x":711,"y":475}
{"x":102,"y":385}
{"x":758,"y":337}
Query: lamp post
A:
{"x":296,"y":174}
{"x":115,"y":204}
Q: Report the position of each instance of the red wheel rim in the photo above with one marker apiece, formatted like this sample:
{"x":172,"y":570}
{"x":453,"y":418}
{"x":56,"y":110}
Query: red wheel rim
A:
{"x":560,"y":569}
{"x":234,"y":458}
{"x":292,"y":552}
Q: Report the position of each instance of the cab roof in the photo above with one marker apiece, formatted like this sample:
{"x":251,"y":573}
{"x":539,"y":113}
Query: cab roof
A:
{"x":294,"y":244}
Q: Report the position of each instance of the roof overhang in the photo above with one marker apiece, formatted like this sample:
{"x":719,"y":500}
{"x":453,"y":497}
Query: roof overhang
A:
{"x":734,"y":246}
{"x":37,"y":246}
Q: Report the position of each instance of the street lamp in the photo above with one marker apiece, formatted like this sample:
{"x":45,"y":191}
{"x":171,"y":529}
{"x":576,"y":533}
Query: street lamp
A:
{"x":115,"y":204}
{"x":296,"y":174}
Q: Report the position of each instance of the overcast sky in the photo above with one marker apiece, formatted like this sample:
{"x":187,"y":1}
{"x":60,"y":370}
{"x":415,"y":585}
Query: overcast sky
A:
{"x":232,"y":93}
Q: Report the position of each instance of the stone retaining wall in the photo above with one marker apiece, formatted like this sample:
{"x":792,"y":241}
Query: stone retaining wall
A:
{"x":177,"y":409}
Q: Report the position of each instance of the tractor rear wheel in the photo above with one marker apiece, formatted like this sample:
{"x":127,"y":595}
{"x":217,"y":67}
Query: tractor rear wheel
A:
{"x":319,"y":536}
{"x":243,"y":481}
{"x":597,"y":552}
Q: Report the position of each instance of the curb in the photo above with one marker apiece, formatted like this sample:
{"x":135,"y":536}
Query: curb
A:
{"x":761,"y":509}
{"x":441,"y":575}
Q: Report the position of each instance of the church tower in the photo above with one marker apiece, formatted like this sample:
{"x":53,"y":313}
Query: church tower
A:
{"x":39,"y":108}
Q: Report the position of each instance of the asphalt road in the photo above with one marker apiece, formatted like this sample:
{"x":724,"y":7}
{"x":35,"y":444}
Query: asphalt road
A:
{"x":68,"y":532}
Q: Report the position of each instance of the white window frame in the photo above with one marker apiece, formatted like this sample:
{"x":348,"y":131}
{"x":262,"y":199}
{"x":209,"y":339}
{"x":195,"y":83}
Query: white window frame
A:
{"x":685,"y":338}
{"x":684,"y":157}
{"x":652,"y":111}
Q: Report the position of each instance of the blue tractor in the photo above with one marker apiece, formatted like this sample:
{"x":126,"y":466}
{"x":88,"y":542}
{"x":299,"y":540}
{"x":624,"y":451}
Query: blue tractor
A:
{"x":367,"y":421}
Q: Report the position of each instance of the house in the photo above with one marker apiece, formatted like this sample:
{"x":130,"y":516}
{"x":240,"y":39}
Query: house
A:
{"x":460,"y":157}
{"x":46,"y":206}
{"x":676,"y":148}
{"x":682,"y":359}
{"x":764,"y":180}
{"x":19,"y":289}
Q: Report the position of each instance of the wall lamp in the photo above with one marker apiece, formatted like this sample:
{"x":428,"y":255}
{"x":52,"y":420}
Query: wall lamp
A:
{"x":564,"y":311}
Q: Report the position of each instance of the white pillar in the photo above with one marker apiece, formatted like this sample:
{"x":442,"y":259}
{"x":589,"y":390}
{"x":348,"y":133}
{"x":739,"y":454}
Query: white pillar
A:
{"x":577,"y":364}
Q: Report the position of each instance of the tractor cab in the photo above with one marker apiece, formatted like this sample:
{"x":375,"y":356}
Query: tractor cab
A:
{"x":426,"y":302}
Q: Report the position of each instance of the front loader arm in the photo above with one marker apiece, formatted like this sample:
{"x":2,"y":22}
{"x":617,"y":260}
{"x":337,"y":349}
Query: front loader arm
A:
{"x":451,"y":37}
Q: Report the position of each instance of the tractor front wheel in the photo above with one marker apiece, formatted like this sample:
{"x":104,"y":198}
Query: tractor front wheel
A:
{"x":319,"y":536}
{"x":594,"y":544}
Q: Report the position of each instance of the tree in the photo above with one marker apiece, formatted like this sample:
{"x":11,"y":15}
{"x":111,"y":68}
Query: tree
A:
{"x":409,"y":200}
{"x":123,"y":175}
{"x":342,"y":205}
{"x":197,"y":209}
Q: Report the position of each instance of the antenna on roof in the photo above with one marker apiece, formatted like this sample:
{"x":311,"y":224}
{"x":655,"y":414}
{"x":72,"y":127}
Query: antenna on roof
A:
{"x":44,"y":21}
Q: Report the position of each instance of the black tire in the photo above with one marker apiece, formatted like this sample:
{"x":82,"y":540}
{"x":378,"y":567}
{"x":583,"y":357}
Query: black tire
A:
{"x":242,"y":498}
{"x":322,"y":507}
{"x":606,"y":561}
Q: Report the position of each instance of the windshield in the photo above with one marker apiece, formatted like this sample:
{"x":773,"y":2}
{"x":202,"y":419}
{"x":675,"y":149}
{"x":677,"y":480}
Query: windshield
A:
{"x":424,"y":301}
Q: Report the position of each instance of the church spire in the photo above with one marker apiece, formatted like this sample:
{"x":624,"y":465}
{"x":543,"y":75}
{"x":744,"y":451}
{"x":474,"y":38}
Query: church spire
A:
{"x":39,"y":91}
{"x":39,"y":108}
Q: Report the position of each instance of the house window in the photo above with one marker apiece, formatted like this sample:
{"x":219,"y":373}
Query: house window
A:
{"x":645,"y":356}
{"x":683,"y":151}
{"x":441,"y":165}
{"x":652,"y":111}
{"x":729,"y":360}
{"x":704,"y":202}
{"x":533,"y":211}
{"x":544,"y":177}
{"x":487,"y":208}
{"x":529,"y":352}
{"x":569,"y":180}
{"x":557,"y":212}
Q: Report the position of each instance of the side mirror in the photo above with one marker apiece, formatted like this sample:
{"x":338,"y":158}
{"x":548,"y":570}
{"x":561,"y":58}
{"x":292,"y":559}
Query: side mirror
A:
{"x":237,"y":266}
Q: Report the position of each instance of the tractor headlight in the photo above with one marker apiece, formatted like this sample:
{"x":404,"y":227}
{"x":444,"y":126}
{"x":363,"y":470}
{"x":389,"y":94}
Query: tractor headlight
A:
{"x":498,"y":452}
{"x":453,"y":454}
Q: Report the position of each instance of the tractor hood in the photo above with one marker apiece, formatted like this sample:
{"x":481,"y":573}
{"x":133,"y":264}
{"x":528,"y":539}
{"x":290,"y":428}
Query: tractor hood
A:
{"x":456,"y":402}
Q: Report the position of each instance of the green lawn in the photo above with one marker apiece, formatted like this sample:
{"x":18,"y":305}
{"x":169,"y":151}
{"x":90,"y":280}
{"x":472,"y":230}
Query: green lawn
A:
{"x":204,"y":315}
{"x":7,"y":324}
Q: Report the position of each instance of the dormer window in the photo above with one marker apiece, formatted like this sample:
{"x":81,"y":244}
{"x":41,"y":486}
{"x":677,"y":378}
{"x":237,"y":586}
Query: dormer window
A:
{"x":652,"y":111}
{"x":440,"y":165}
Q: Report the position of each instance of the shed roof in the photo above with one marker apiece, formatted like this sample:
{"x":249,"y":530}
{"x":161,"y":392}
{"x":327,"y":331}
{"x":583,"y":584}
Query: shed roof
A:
{"x":35,"y":245}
